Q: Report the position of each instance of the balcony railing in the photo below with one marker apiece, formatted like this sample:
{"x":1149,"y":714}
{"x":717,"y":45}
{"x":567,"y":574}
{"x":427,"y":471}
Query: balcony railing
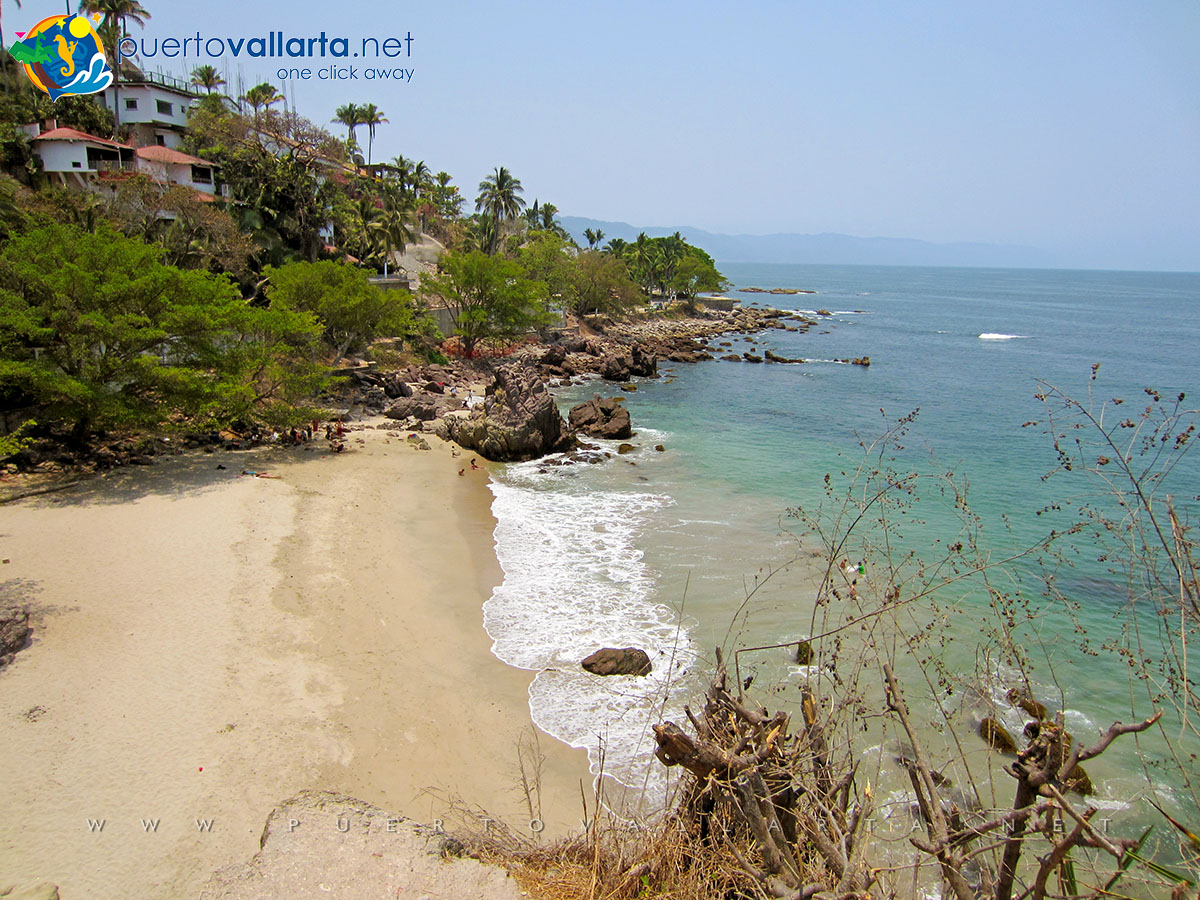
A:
{"x":167,"y":81}
{"x":109,"y":166}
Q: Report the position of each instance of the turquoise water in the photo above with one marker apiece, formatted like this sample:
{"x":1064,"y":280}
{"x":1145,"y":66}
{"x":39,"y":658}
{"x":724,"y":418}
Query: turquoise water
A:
{"x":660,"y":549}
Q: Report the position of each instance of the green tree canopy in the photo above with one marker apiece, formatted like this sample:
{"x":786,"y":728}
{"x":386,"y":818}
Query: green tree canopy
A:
{"x":696,"y":273}
{"x":350,"y":309}
{"x":600,"y":283}
{"x":95,"y":331}
{"x":489,"y":297}
{"x":548,"y":258}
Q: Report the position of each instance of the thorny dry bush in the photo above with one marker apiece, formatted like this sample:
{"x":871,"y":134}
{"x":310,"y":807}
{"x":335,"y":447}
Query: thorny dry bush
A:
{"x":803,"y":802}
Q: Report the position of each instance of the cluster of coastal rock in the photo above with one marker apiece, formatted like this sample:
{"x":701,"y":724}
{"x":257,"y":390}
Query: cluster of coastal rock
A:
{"x":517,"y":418}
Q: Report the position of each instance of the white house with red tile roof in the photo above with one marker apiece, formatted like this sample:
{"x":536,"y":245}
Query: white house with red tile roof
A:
{"x":74,"y":158}
{"x":168,"y":166}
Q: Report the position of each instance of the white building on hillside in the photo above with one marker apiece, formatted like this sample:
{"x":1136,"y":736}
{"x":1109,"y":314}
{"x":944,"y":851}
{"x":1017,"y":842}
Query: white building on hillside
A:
{"x":75,"y":159}
{"x":167,"y":166}
{"x":154,"y":106}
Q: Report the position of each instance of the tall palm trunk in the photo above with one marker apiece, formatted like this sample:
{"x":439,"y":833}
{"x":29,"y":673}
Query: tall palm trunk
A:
{"x":116,"y":85}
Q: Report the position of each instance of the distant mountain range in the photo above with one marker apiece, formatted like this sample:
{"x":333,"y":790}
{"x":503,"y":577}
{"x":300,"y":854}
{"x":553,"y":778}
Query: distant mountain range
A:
{"x":832,"y":249}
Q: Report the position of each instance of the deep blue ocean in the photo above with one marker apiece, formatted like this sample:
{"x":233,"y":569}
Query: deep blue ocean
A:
{"x":661,"y":549}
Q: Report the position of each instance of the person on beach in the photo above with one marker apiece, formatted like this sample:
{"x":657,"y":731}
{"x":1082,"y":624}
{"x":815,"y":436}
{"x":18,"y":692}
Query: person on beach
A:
{"x":462,"y":472}
{"x":473,"y":466}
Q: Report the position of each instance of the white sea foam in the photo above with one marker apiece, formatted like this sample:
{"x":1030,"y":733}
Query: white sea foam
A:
{"x":997,"y":336}
{"x":575,"y":581}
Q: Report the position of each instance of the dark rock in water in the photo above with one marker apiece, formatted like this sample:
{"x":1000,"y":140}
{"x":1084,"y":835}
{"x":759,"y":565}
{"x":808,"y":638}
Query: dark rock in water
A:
{"x":555,"y":355}
{"x":1023,"y":699}
{"x":631,"y":387}
{"x":731,"y":357}
{"x":997,"y":736}
{"x":517,"y":420}
{"x":602,"y":418}
{"x":643,"y":362}
{"x":423,"y":409}
{"x":1077,"y":780}
{"x":14,"y":630}
{"x":804,"y":653}
{"x":776,"y":358}
{"x":660,"y":448}
{"x":751,"y":358}
{"x":616,"y":367}
{"x":626,"y":448}
{"x":610,"y":661}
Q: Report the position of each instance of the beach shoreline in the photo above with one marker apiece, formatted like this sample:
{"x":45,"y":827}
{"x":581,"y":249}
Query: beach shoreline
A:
{"x":207,"y":643}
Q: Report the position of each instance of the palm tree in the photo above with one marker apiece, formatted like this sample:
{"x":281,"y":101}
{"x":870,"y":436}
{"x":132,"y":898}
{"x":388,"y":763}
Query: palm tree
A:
{"x":421,"y":178}
{"x":447,"y":200}
{"x":349,"y":115}
{"x":371,"y":116}
{"x":403,"y":169}
{"x":533,"y":215}
{"x":593,"y":237}
{"x":261,"y":96}
{"x":548,"y":211}
{"x":207,"y":77}
{"x":392,"y":227}
{"x":111,"y":30}
{"x":498,"y":196}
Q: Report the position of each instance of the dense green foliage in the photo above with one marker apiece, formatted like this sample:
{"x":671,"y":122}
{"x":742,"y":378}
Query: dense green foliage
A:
{"x":490,"y":298}
{"x":669,"y":265}
{"x":585,"y":283}
{"x":96,"y":331}
{"x":351,"y":310}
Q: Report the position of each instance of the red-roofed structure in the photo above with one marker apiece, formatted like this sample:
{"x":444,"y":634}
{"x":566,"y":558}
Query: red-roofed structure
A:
{"x":78,"y":159}
{"x":71,"y":134}
{"x":75,"y":158}
{"x":173,"y":167}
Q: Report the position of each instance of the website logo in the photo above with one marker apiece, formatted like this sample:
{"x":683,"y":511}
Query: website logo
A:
{"x":63,"y":55}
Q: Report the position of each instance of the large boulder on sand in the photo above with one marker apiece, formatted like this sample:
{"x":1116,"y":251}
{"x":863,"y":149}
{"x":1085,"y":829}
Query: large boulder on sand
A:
{"x":517,"y":420}
{"x":611,"y":661}
{"x":602,"y":418}
{"x":424,"y":409}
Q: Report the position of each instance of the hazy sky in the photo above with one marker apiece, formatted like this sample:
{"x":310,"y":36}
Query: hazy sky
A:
{"x":1069,"y":126}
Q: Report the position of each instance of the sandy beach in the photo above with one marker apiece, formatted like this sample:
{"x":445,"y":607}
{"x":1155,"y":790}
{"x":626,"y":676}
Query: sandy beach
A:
{"x":208,"y":643}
